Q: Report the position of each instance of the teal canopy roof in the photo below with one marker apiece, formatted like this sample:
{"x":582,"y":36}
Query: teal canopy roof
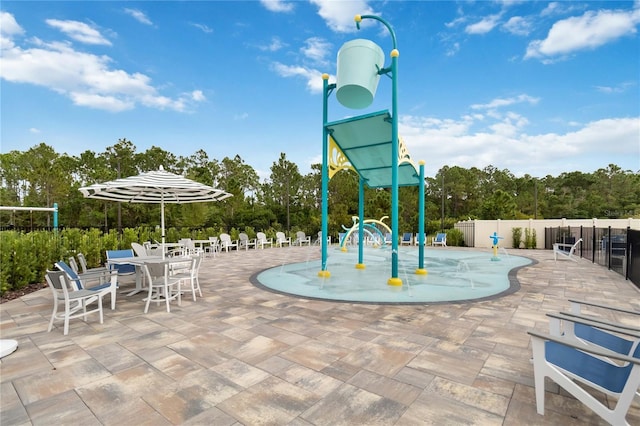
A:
{"x":366,"y":142}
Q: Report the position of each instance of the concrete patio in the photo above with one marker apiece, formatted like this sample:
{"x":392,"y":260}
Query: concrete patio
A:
{"x":244,"y":356}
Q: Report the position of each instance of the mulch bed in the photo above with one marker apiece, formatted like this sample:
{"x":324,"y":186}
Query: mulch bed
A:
{"x":14,"y":294}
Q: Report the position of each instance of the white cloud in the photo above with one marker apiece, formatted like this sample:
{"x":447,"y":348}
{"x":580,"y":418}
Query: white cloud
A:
{"x":275,"y":45}
{"x":589,"y":31}
{"x":313,"y":77}
{"x":278,"y":5}
{"x":34,"y":130}
{"x":316,"y":49}
{"x":517,"y":25}
{"x":138,"y":16}
{"x":202,"y":27}
{"x":198,"y":96}
{"x":620,"y":88}
{"x":79,"y":31}
{"x":479,"y":141}
{"x":242,"y":116}
{"x":8,"y":25}
{"x":502,"y":102}
{"x":483,"y":26}
{"x":88,"y":80}
{"x":339,"y":15}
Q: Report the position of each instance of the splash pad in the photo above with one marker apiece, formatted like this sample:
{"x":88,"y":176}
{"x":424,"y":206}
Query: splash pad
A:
{"x":454,"y":275}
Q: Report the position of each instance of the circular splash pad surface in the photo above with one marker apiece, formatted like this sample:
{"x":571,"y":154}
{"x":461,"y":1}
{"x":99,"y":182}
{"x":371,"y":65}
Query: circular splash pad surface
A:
{"x":452,"y":276}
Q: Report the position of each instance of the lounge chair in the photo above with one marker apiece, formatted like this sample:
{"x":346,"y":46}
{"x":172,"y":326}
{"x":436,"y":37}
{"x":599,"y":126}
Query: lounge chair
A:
{"x":440,"y":240}
{"x":595,"y":331}
{"x":424,"y":239}
{"x":572,"y":364}
{"x":319,"y":240}
{"x":407,"y":239}
{"x":565,"y":251}
{"x":227,"y":243}
{"x":246,"y":242}
{"x":262,"y":240}
{"x":282,"y":239}
{"x":301,"y":239}
{"x":74,"y":301}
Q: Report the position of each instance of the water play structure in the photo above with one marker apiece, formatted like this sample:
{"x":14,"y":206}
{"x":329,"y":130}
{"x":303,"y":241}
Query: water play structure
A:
{"x":368,"y":144}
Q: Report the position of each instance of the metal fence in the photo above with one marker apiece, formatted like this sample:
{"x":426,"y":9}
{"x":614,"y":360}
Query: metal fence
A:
{"x":615,"y":249}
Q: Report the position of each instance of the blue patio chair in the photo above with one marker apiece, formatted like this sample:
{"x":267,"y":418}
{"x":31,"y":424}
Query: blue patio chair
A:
{"x":570,"y":363}
{"x":407,"y":239}
{"x":118,"y":254}
{"x":81,"y":282}
{"x":440,"y":240}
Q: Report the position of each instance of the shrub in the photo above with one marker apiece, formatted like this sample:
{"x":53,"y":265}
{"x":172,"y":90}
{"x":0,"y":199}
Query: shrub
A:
{"x":455,"y":237}
{"x":516,"y":234}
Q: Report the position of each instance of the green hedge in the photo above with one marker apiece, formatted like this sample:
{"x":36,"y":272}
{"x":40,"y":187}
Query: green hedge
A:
{"x":26,"y":256}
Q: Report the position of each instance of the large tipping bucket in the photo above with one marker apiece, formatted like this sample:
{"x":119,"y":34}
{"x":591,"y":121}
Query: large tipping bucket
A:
{"x":357,"y":80}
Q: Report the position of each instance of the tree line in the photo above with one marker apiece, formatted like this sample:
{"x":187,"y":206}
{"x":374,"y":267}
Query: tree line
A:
{"x":288,"y":200}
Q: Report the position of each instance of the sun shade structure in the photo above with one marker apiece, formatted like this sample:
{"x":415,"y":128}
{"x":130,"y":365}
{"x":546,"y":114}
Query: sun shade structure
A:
{"x":366,"y":141}
{"x":155,"y":187}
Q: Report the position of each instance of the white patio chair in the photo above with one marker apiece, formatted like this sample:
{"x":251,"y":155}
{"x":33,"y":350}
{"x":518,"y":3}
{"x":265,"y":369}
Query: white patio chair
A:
{"x":86,"y":270}
{"x":282,"y":239}
{"x":75,"y":302}
{"x":139,"y":250}
{"x":227,"y":243}
{"x":262,"y":240}
{"x":319,"y":240}
{"x":213,"y":248}
{"x":191,"y":275}
{"x":246,"y":242}
{"x":565,"y":251}
{"x":162,"y":286}
{"x":301,"y":239}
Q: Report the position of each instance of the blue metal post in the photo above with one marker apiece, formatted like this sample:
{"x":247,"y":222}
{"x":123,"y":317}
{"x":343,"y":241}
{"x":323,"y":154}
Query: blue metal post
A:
{"x":326,"y":89}
{"x":360,"y":264}
{"x":55,"y":216}
{"x":394,"y":280}
{"x":421,"y":236}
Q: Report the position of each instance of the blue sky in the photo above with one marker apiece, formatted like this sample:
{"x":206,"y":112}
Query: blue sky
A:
{"x":533,"y":87}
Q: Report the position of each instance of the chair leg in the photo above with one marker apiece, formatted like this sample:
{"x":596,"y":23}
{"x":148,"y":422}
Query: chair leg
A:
{"x":167,"y":297}
{"x":66,"y":318}
{"x":146,"y":306}
{"x":53,"y":315}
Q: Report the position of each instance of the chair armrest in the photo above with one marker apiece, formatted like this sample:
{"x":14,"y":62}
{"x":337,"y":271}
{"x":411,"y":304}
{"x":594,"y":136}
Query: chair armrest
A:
{"x":609,"y":307}
{"x":595,"y":350}
{"x":603,"y":321}
{"x":597,"y":323}
{"x":558,"y":245}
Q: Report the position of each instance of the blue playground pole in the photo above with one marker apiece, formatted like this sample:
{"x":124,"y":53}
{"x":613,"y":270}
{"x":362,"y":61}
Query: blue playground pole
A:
{"x":55,"y":216}
{"x":360,"y":264}
{"x":421,"y":236}
{"x":394,"y":280}
{"x":326,"y":90}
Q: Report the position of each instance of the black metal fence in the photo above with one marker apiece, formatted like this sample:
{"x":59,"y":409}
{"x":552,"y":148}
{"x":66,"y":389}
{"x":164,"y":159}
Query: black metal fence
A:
{"x":616,"y":249}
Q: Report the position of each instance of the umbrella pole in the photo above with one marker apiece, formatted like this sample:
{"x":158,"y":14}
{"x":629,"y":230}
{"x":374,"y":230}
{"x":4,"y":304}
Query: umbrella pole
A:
{"x":162,"y":222}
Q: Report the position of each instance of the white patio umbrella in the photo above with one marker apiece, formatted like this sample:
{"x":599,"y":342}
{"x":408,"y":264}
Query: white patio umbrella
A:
{"x":155,"y":187}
